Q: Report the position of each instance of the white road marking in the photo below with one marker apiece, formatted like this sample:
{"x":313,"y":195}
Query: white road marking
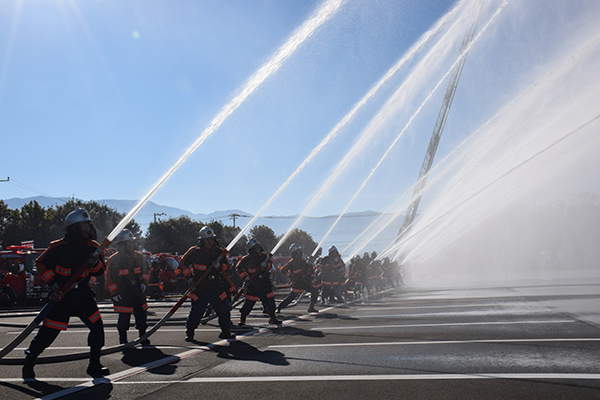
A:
{"x":442,"y":324}
{"x":87,"y":331}
{"x":315,"y":378}
{"x":437,"y":342}
{"x":311,"y":378}
{"x":416,"y":307}
{"x":448,"y":314}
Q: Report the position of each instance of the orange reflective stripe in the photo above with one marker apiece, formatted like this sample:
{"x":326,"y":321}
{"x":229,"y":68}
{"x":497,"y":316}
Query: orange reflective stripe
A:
{"x":137,"y":270}
{"x":63,"y":271}
{"x":269,"y":295}
{"x":200,"y":267}
{"x":95,"y":316}
{"x":223,"y":296}
{"x":193,"y":297}
{"x":145,"y":306}
{"x":48,"y":275}
{"x":124,"y":310}
{"x":251,"y":298}
{"x":123,"y":272}
{"x":297,"y":291}
{"x":61,"y":326}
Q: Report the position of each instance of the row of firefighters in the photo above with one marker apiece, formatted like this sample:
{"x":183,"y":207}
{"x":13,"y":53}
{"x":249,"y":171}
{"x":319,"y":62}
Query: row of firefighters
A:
{"x":208,"y":272}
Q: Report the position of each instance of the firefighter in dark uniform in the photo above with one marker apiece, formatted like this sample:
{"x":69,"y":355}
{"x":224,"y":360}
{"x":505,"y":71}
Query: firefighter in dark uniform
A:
{"x":254,"y":268}
{"x":357,"y":276}
{"x":154,"y":284}
{"x":127,"y":277}
{"x":301,"y":273}
{"x":56,"y":264}
{"x":207,"y":258}
{"x":331,"y":270}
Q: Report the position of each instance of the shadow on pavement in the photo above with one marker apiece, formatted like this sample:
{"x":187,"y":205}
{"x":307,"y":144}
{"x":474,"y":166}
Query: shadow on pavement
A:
{"x":135,"y":356}
{"x":39,"y":388}
{"x":327,"y":315}
{"x":292,"y":330}
{"x":242,"y":351}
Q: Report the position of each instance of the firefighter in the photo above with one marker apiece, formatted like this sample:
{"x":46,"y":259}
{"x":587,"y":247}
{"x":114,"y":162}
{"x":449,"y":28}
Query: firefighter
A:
{"x":154,"y":285}
{"x":301,"y":273}
{"x":331,"y":267}
{"x":127,"y":277}
{"x":56,"y":264}
{"x":356,"y":276}
{"x":207,"y":262}
{"x":254,"y":268}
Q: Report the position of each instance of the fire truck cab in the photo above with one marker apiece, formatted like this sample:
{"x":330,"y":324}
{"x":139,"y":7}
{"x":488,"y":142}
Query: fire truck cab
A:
{"x":19,"y":278}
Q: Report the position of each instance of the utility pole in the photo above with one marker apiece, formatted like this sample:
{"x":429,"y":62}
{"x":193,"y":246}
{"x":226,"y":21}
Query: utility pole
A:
{"x":411,"y":212}
{"x":234,"y":216}
{"x":158,"y":215}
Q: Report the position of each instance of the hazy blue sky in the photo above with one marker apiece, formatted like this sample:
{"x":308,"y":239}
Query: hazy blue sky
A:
{"x":98,"y":98}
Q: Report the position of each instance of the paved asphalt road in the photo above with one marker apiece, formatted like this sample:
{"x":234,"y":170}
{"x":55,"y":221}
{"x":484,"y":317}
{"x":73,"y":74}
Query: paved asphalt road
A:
{"x":521,"y":342}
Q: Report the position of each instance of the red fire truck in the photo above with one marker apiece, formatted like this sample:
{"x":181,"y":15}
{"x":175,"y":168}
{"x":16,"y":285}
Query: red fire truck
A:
{"x":19,"y":278}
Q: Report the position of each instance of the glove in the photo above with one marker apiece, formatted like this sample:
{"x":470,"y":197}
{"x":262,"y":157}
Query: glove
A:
{"x":55,"y":287}
{"x":55,"y":294}
{"x":117,"y":298}
{"x":143,"y":286}
{"x":266,"y":261}
{"x":94,"y":257}
{"x":217,"y":264}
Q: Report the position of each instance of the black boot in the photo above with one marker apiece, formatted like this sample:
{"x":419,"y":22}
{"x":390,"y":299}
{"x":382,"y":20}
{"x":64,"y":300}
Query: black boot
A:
{"x":28,"y":366}
{"x":226,"y":335}
{"x":145,"y":342}
{"x":273,"y":320}
{"x":312,"y":308}
{"x":242,"y":320}
{"x":122,"y":336}
{"x":189,"y":335}
{"x":95,"y":369}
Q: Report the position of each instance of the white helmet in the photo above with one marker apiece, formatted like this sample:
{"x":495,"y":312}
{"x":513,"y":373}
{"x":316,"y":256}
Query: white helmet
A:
{"x":206,"y":232}
{"x":251,"y":243}
{"x":294,"y":247}
{"x":124,"y":236}
{"x":74,"y":217}
{"x":332,"y":249}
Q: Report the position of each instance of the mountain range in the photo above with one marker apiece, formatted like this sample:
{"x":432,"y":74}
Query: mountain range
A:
{"x":349,"y":227}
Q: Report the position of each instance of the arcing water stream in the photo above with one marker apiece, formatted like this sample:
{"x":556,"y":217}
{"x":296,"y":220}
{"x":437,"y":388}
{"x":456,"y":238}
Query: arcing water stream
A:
{"x":389,"y":74}
{"x":322,"y":15}
{"x":492,"y":220}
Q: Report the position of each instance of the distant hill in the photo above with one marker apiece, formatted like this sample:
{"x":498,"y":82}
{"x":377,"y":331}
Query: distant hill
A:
{"x":348,"y":228}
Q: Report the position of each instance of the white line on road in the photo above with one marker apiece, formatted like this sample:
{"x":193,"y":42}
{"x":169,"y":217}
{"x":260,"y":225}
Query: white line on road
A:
{"x":449,"y":314}
{"x":383,"y":308}
{"x":314,"y":378}
{"x":442,"y":324}
{"x":437,"y":342}
{"x":387,"y":377}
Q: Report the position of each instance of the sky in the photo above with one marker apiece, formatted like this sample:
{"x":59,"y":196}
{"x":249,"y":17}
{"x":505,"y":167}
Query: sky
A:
{"x":100,"y":98}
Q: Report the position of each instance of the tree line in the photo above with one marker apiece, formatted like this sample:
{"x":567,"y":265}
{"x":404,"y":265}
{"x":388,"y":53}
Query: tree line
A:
{"x":174,"y":235}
